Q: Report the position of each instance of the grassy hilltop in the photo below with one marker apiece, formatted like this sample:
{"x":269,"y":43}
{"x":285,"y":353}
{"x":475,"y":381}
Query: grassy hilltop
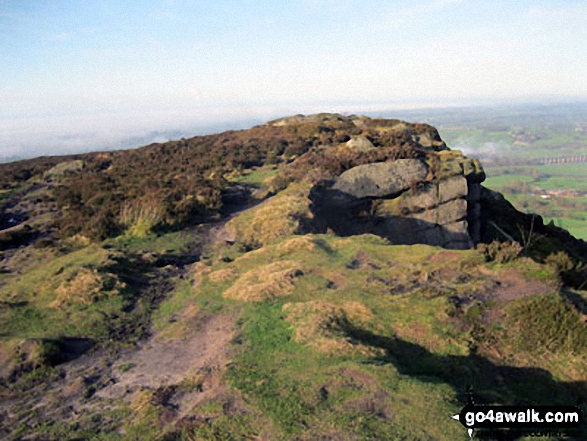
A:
{"x":190,"y":290}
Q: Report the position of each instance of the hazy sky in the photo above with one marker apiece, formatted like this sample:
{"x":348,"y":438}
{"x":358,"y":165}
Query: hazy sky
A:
{"x":79,"y":74}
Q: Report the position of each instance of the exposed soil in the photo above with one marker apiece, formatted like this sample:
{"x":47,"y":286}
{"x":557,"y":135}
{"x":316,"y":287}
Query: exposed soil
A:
{"x":446,"y":256}
{"x":512,"y":285}
{"x":161,"y":362}
{"x":509,"y":286}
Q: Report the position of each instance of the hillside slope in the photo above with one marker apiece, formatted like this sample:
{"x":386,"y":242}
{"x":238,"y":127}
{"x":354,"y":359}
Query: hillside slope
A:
{"x":317,"y":277}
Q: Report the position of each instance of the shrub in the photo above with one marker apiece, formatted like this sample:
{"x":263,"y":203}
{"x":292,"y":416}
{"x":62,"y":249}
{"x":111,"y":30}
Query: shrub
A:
{"x":560,"y":261}
{"x":572,"y":273}
{"x":500,"y":252}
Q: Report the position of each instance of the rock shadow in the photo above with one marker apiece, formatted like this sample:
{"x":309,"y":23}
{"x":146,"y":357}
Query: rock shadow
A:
{"x":346,"y":215}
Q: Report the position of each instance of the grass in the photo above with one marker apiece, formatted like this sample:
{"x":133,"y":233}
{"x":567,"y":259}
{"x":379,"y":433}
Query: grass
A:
{"x":280,"y":216}
{"x":90,"y":293}
{"x":547,"y":323}
{"x":303,"y":392}
{"x":365,"y":344}
{"x":172,"y":312}
{"x":34,"y":292}
{"x":564,"y":182}
{"x":125,"y":367}
{"x":64,"y":167}
{"x":173,"y":242}
{"x":368,"y":342}
{"x":140,"y":217}
{"x":258,"y":177}
{"x":506,"y":180}
{"x":579,"y":169}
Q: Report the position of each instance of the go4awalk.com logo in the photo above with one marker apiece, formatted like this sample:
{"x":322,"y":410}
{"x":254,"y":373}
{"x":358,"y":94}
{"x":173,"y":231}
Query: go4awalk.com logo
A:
{"x":535,"y":419}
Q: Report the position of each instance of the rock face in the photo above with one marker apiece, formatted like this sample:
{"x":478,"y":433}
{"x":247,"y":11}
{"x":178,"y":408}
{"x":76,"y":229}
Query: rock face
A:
{"x":433,"y":200}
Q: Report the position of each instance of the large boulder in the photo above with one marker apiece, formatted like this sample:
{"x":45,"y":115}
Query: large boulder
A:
{"x":359,"y":144}
{"x":383,"y":179}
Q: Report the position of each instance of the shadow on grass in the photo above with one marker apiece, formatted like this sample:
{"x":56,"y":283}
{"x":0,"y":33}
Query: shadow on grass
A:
{"x":490,"y":383}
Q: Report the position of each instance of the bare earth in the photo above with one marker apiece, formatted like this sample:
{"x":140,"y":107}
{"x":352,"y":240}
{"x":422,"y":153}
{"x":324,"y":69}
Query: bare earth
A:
{"x":161,"y":362}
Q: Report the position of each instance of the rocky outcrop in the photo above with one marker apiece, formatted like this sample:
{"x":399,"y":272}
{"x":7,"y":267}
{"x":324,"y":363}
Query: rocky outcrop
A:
{"x":434,"y":200}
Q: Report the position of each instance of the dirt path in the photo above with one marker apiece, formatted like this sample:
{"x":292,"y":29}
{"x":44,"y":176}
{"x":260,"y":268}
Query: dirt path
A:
{"x":160,"y":362}
{"x":198,"y":357}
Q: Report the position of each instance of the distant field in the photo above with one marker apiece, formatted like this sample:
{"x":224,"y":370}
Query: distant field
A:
{"x":500,"y":181}
{"x":520,"y":135}
{"x":576,"y":183}
{"x":566,"y":212}
{"x":579,"y":169}
{"x":577,"y":228}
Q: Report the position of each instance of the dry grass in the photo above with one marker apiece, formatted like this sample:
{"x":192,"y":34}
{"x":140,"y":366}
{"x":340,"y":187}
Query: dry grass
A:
{"x":251,"y":254}
{"x":282,"y":215}
{"x":272,"y":280}
{"x":301,"y":243}
{"x":78,"y":241}
{"x":85,"y":286}
{"x":318,"y":325}
{"x":222,"y":275}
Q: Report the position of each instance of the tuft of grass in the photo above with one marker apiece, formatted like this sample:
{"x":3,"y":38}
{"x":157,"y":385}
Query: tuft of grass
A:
{"x":141,"y":216}
{"x":222,"y":275}
{"x":86,"y":286}
{"x":321,"y":324}
{"x":272,"y":280}
{"x":125,"y":367}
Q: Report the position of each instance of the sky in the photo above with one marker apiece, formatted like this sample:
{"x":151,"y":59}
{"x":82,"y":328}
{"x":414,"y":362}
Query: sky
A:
{"x":79,"y":75}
